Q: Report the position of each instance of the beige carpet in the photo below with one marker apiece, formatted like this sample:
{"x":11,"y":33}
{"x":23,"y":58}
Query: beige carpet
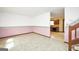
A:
{"x":34,"y":42}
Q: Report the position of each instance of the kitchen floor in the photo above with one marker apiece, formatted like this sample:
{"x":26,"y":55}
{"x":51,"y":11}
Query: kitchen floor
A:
{"x":32,"y":42}
{"x":58,"y":35}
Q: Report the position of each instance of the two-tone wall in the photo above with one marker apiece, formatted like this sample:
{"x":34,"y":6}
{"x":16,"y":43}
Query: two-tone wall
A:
{"x":42,"y":24}
{"x":13,"y":24}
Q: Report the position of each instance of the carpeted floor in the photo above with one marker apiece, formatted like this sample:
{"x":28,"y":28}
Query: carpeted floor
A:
{"x":32,"y":42}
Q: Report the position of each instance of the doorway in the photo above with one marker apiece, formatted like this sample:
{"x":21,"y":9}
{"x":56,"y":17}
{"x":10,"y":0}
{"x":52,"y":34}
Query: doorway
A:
{"x":57,"y":25}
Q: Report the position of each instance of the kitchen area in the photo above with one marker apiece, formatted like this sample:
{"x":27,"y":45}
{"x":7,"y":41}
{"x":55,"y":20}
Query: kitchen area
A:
{"x":57,"y":24}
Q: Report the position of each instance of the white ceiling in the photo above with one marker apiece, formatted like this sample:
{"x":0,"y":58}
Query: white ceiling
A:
{"x":33,"y":11}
